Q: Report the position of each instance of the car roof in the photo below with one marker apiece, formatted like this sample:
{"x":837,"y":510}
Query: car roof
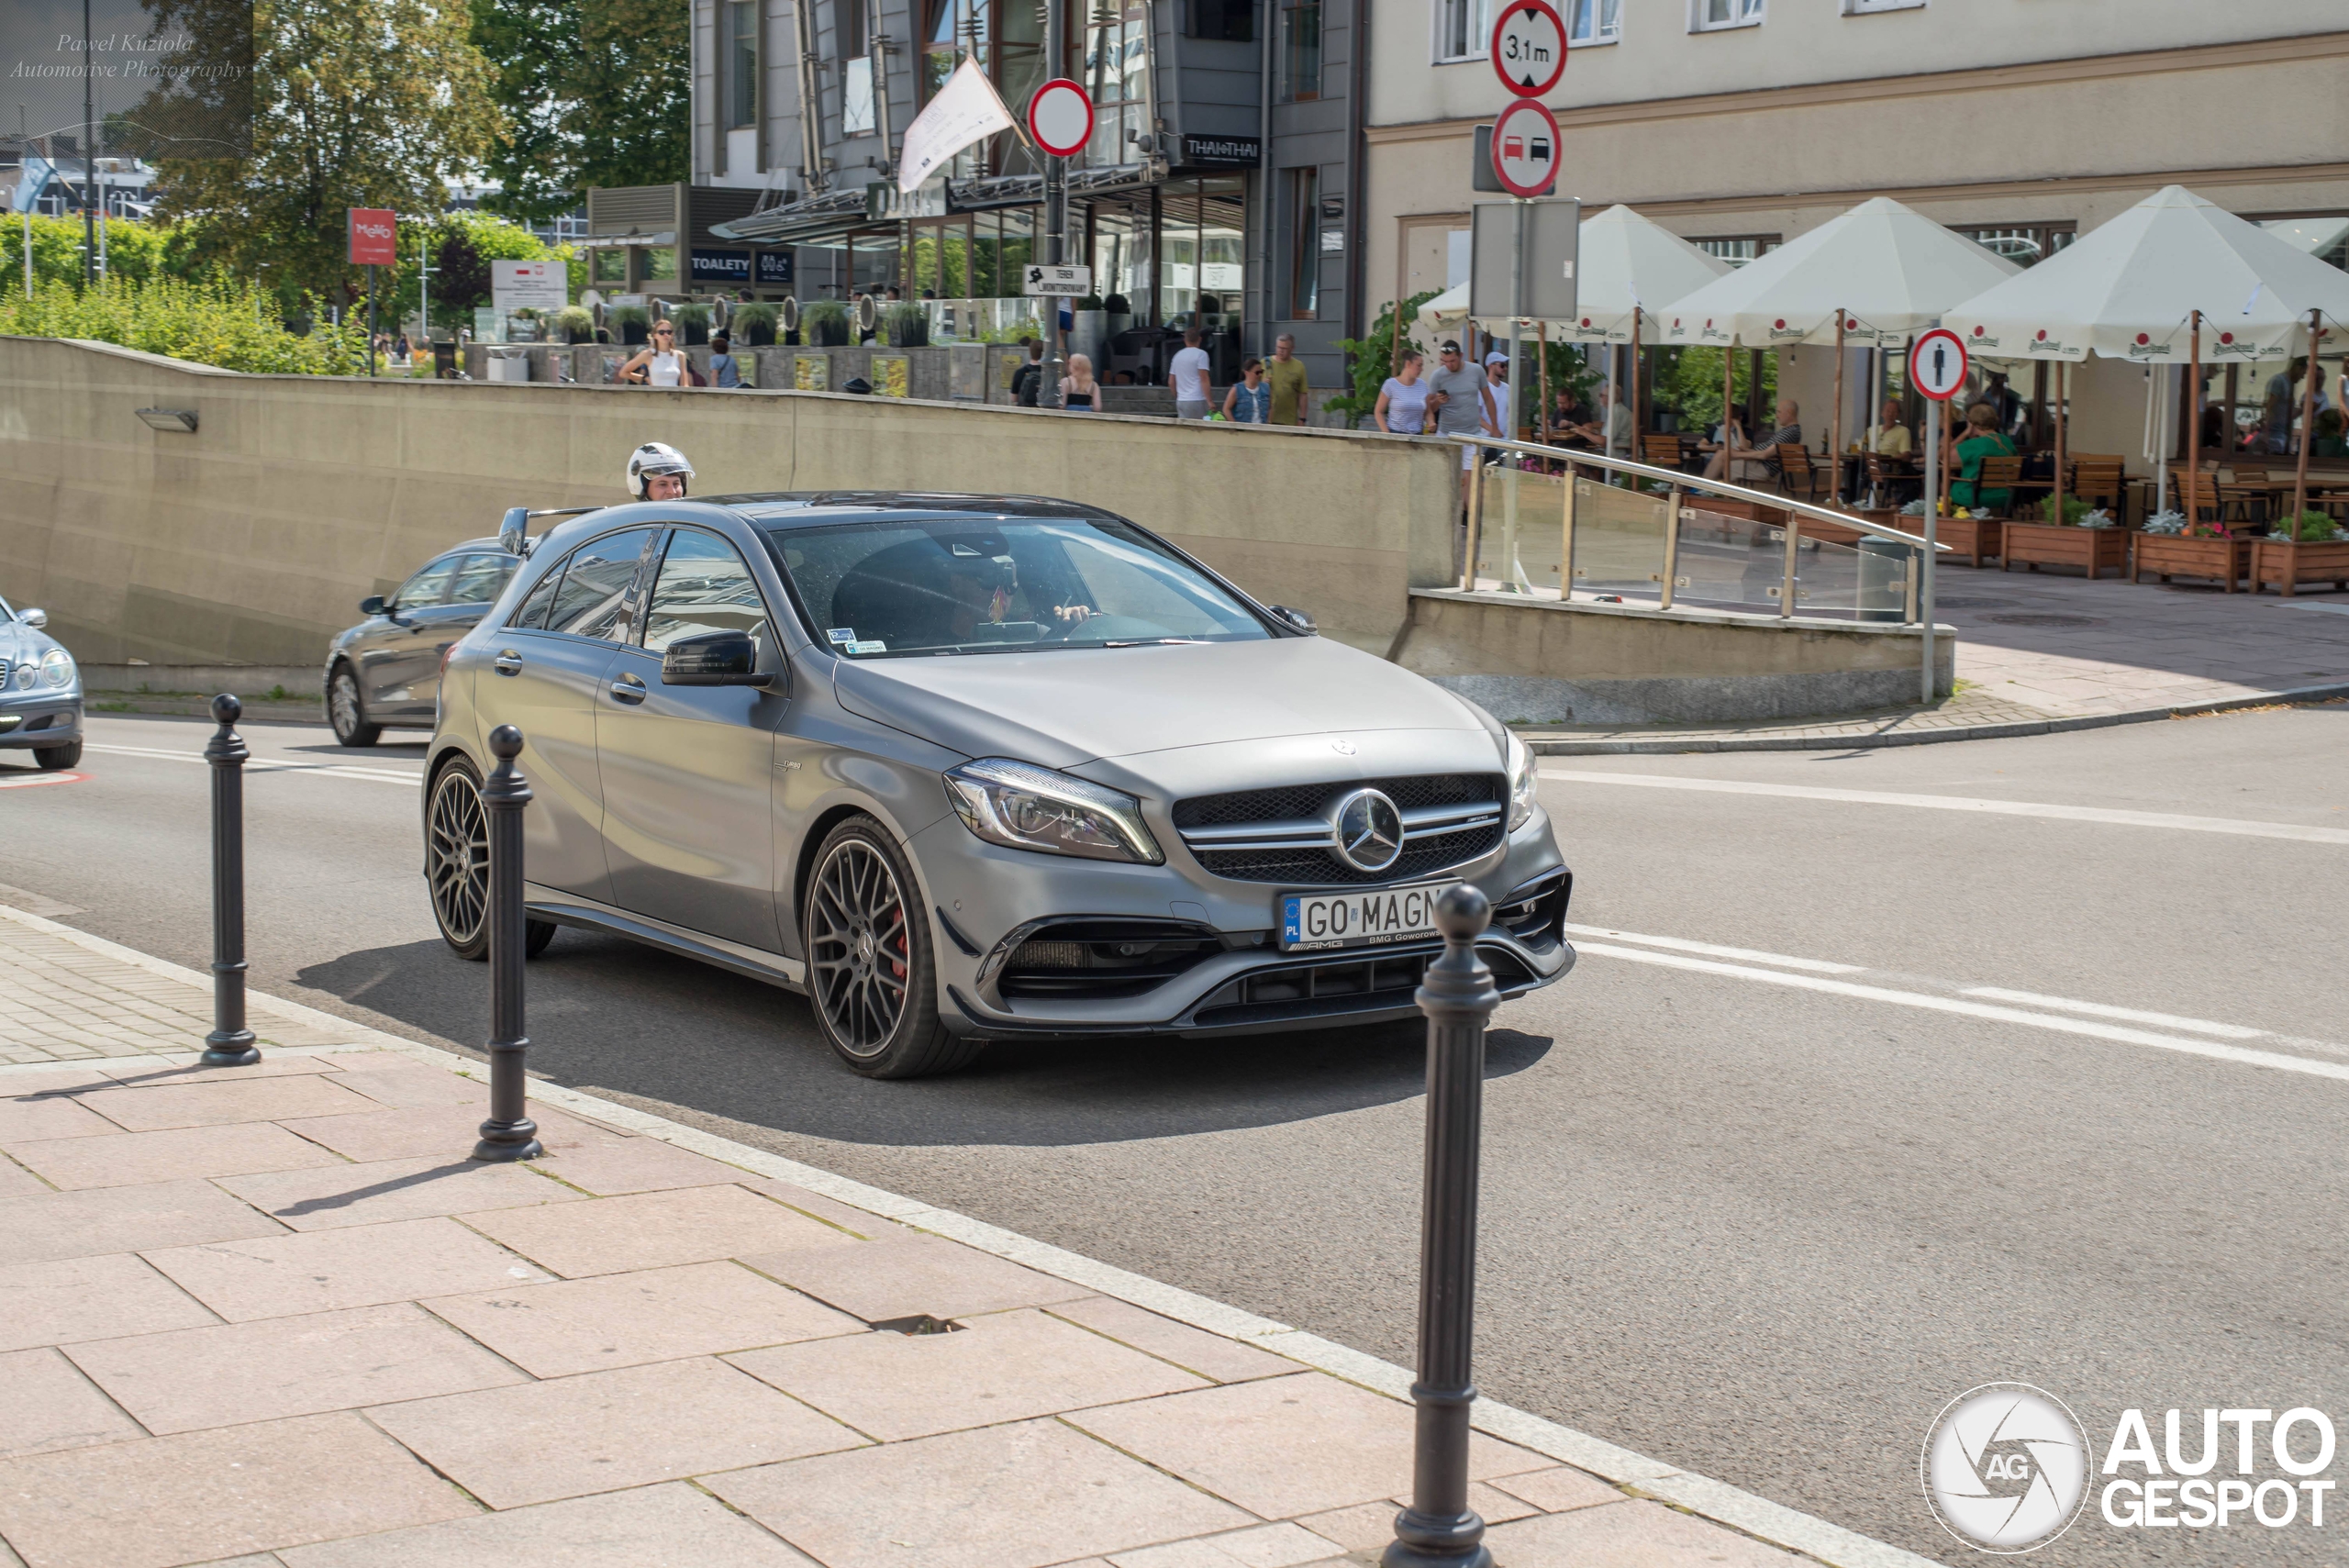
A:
{"x":815,"y":508}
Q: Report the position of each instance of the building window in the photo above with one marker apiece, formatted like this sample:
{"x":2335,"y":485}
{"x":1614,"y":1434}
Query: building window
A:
{"x":2022,"y":243}
{"x":1008,"y":43}
{"x":1231,"y":21}
{"x":1710,"y":15}
{"x":1737,"y":249}
{"x":1300,"y":51}
{"x":741,"y":63}
{"x":1304,"y":203}
{"x":1868,"y":7}
{"x":1592,"y":22}
{"x":848,"y":21}
{"x":610,"y":265}
{"x":2324,"y":235}
{"x":1117,"y":52}
{"x":1464,"y":29}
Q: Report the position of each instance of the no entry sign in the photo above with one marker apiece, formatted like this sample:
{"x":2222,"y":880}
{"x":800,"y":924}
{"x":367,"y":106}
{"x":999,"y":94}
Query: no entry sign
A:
{"x":1060,"y":118}
{"x":1529,"y":48}
{"x":1525,"y":148}
{"x":1937,"y":363}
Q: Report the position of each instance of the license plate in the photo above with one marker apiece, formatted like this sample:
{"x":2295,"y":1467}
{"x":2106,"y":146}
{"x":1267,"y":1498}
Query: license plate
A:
{"x":1317,"y":922}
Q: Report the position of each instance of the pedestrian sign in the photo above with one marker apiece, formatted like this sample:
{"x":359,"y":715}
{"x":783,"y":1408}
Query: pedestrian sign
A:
{"x":1525,"y":148}
{"x":1937,"y":363}
{"x":1045,"y":280}
{"x":1529,"y":48}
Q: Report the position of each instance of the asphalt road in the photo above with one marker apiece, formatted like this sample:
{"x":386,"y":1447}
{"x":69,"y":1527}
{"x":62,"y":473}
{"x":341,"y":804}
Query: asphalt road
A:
{"x":1759,"y":1219}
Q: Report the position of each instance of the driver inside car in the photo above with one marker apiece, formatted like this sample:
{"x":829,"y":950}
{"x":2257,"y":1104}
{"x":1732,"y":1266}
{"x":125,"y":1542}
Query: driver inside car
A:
{"x":986,"y":590}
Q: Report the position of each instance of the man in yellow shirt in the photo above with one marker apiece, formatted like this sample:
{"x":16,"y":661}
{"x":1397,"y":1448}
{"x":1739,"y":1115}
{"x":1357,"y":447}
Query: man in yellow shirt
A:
{"x":1891,"y":438}
{"x":1292,"y":395}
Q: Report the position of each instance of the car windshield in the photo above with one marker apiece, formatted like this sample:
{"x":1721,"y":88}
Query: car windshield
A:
{"x":896,"y":587}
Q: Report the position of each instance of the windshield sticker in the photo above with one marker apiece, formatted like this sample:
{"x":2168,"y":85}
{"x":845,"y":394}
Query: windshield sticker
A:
{"x":842,"y":634}
{"x":866,"y":646}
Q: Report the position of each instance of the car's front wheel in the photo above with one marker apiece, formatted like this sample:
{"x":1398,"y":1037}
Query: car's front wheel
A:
{"x":871,"y":974}
{"x":456,"y":866}
{"x":55,"y":757}
{"x":347,"y":712}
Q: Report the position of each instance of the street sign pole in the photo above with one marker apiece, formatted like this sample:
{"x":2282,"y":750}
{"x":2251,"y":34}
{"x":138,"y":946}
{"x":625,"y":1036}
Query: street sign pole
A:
{"x":1048,"y":394}
{"x":370,"y":321}
{"x":1506,"y":573}
{"x":1932,"y":511}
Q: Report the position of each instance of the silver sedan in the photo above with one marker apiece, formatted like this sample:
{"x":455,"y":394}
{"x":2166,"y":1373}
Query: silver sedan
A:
{"x":973,"y":768}
{"x":40,"y":690}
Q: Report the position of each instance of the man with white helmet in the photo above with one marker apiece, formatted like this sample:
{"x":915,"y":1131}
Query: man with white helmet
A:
{"x":658,"y":471}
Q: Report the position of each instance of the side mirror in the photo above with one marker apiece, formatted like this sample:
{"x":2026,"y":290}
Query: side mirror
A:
{"x":513,"y":532}
{"x":33,"y":618}
{"x":372,"y":605}
{"x":1296,"y":618}
{"x":712,"y":659}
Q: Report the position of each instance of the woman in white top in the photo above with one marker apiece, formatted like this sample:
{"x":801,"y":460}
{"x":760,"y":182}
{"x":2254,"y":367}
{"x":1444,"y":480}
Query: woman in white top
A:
{"x":1403,"y":401}
{"x":659,"y":364}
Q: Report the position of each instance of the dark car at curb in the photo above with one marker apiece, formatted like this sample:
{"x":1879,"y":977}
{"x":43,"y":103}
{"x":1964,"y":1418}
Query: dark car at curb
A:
{"x":384,"y":672}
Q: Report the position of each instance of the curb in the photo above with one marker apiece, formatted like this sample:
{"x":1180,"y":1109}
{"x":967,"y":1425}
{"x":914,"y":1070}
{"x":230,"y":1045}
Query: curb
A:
{"x":1636,"y":1474}
{"x":1542,"y":746}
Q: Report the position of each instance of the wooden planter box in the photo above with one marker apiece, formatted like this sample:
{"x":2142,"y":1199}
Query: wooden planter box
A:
{"x":2222,"y":560}
{"x":1972,"y":538}
{"x":2052,"y":544}
{"x":2288,"y":562}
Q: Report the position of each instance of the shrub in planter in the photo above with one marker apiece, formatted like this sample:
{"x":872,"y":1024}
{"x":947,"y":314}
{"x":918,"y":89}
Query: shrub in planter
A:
{"x":905,"y":325}
{"x":635,"y":325}
{"x":824,"y":323}
{"x":754,"y":323}
{"x":693,"y":323}
{"x":576,"y":324}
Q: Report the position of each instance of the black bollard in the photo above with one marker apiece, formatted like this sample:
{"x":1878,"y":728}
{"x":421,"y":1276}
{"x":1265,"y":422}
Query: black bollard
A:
{"x":230,"y":1043}
{"x":509,"y":1133}
{"x":1438,"y":1528}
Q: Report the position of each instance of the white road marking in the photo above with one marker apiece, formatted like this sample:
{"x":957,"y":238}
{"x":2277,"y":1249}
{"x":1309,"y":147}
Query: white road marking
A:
{"x":1681,"y":944}
{"x":1984,"y":1010}
{"x":2128,"y":1015}
{"x":271,"y":764}
{"x":32,"y":779}
{"x":2237,"y":826}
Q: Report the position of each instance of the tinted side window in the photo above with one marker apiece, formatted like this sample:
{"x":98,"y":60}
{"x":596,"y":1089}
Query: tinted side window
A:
{"x":596,"y":597}
{"x":427,"y":588}
{"x":703,"y":586}
{"x":481,"y":578}
{"x":532,"y":615}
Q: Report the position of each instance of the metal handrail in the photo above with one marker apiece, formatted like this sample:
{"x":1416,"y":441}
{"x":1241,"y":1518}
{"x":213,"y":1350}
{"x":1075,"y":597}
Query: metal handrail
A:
{"x":1682,"y":480}
{"x":1919,"y":588}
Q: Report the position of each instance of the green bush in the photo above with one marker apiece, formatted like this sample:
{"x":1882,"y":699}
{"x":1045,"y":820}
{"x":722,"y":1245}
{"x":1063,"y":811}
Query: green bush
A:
{"x":755,"y":323}
{"x":233,"y":326}
{"x":135,"y":251}
{"x":906,"y":326}
{"x":823,"y":322}
{"x":2074,"y":511}
{"x":2313,"y":527}
{"x":576,"y":323}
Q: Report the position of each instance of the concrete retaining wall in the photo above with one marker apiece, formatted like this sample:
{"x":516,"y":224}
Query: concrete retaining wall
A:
{"x":1539,"y":661}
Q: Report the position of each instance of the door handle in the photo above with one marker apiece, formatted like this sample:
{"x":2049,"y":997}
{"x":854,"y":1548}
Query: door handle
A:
{"x":629,"y":689}
{"x":507,"y":663}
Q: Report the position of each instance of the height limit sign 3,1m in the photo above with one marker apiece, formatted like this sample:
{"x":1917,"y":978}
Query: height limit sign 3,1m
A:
{"x":1529,"y":48}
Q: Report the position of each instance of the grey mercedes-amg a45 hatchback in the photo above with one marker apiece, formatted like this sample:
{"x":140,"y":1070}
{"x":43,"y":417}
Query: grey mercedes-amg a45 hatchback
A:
{"x":965,"y":768}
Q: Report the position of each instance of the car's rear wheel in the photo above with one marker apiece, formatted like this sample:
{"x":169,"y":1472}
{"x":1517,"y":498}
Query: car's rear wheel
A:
{"x":871,"y":974}
{"x":347,"y":711}
{"x":55,"y":757}
{"x":456,"y":866}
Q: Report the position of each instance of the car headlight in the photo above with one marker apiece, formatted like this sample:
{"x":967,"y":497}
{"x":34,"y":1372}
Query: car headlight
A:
{"x":1024,"y":807}
{"x":57,"y":667}
{"x":26,"y":676}
{"x":1523,"y":775}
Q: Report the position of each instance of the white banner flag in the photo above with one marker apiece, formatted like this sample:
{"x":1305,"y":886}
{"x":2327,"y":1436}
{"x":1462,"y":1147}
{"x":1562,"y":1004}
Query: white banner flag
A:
{"x":967,"y":109}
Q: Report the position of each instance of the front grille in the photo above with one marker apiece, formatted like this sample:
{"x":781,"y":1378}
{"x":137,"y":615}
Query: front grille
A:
{"x":1427,"y":849}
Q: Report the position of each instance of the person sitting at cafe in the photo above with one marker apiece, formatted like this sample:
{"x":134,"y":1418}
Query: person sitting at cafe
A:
{"x":1981,"y":438}
{"x":1762,"y":457}
{"x":2330,"y":438}
{"x":1568,"y":415}
{"x":1891,"y":438}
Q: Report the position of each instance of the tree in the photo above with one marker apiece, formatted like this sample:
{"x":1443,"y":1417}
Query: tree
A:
{"x":357,"y":104}
{"x":610,"y":108}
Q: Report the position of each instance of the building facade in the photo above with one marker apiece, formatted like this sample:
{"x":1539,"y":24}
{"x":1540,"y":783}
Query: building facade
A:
{"x":1221,"y":186}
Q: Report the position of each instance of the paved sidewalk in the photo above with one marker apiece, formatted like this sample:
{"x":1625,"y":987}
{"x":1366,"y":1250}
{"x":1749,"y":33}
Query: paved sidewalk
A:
{"x":2039,"y":653}
{"x":272,"y":1315}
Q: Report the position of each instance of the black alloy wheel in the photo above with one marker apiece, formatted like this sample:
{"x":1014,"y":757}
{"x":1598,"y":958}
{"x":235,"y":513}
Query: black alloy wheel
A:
{"x":347,"y":712}
{"x":870,"y":973}
{"x":456,"y":866}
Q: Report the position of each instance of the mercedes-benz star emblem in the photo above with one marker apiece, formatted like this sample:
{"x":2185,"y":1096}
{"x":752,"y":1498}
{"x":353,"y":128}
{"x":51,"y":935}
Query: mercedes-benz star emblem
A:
{"x":1369,"y":830}
{"x":1342,"y":748}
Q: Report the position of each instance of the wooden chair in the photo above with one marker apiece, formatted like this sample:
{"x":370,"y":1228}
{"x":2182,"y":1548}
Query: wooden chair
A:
{"x":1890,"y":488}
{"x":1660,"y":452}
{"x":1794,"y":468}
{"x":2210,"y":503}
{"x":2100,"y":480}
{"x":1999,"y":474}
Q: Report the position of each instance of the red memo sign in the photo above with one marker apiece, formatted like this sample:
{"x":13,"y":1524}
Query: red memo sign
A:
{"x":374,"y":237}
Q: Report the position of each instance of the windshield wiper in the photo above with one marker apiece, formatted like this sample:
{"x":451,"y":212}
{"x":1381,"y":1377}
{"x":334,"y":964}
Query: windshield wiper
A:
{"x":1147,"y":643}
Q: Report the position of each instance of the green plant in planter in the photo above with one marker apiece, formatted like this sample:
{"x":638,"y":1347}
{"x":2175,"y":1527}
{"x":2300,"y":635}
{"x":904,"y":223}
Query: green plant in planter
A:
{"x":906,"y":326}
{"x":2313,"y":527}
{"x":2074,"y":511}
{"x":692,"y":322}
{"x":633,"y":321}
{"x":823,"y":324}
{"x":576,"y":324}
{"x":755,"y":323}
{"x":1090,"y":302}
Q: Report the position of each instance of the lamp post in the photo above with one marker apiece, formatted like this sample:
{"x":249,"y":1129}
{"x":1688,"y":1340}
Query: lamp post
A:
{"x":1439,"y":1529}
